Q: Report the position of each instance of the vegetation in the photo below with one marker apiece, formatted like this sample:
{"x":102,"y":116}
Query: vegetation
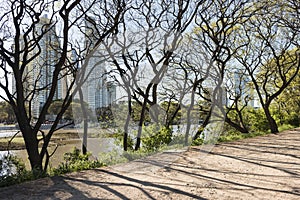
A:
{"x":13,"y":171}
{"x":176,"y":61}
{"x":75,"y":161}
{"x":7,"y":114}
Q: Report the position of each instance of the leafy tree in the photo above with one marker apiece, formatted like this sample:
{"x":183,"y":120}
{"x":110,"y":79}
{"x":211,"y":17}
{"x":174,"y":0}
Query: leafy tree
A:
{"x":173,"y":114}
{"x":217,"y":25}
{"x":268,"y":59}
{"x":6,"y":113}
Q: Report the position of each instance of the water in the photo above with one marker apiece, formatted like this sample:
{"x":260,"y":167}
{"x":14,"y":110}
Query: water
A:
{"x":95,"y":146}
{"x":9,"y":133}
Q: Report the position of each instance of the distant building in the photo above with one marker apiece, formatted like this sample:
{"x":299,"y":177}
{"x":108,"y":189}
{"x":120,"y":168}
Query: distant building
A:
{"x":98,"y":91}
{"x":243,"y":88}
{"x":38,"y":73}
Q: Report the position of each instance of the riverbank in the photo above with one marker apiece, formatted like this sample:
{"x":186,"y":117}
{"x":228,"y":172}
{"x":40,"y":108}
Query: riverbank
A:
{"x":264,"y":167}
{"x":62,"y":141}
{"x":61,"y":137}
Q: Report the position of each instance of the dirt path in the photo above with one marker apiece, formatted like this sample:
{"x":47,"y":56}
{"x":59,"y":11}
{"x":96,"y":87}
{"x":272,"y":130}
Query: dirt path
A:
{"x":265,"y":167}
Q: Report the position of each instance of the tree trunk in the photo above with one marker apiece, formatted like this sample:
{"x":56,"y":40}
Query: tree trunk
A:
{"x":205,"y":123}
{"x":142,"y":118}
{"x":125,"y":136}
{"x":141,"y":121}
{"x":31,"y":144}
{"x":272,"y":123}
{"x":85,"y":122}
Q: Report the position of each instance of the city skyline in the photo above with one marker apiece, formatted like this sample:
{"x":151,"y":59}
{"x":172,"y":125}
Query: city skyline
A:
{"x":98,"y":92}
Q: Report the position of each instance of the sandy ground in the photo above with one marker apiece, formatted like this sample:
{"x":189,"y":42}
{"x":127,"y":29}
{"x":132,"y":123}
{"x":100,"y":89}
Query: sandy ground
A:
{"x":265,"y":167}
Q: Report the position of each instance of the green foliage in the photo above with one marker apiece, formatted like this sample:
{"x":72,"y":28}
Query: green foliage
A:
{"x":284,"y":115}
{"x":111,"y":158}
{"x":155,"y":137}
{"x":177,"y":139}
{"x":285,"y":127}
{"x":6,"y":113}
{"x":13,"y":171}
{"x":233,"y":135}
{"x":105,"y":117}
{"x":114,"y":157}
{"x":173,"y":112}
{"x":199,"y":141}
{"x":76,"y":161}
{"x":74,"y":111}
{"x":136,"y":112}
{"x":255,"y":119}
{"x":133,"y":155}
{"x":293,"y":119}
{"x":119,"y":140}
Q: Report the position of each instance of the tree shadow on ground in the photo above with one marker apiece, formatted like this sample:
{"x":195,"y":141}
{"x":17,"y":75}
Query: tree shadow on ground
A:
{"x":165,"y":174}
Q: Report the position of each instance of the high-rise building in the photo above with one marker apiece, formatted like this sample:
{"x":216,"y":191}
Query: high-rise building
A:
{"x":44,"y":65}
{"x":242,"y":87}
{"x":98,"y":91}
{"x":37,"y":77}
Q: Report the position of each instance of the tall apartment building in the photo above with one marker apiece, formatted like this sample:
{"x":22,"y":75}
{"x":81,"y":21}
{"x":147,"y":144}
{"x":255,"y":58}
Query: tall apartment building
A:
{"x":98,"y":91}
{"x":243,"y":88}
{"x":37,"y":78}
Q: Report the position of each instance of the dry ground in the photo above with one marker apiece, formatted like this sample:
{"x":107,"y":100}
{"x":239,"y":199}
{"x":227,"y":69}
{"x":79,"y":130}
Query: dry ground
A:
{"x":266,"y":167}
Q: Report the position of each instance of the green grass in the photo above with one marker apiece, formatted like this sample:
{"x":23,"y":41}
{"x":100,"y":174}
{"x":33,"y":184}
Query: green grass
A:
{"x":233,"y":135}
{"x":16,"y":143}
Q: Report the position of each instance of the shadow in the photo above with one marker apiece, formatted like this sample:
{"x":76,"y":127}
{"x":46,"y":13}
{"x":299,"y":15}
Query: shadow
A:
{"x":236,"y":183}
{"x":184,"y":174}
{"x":46,"y":188}
{"x":144,"y":183}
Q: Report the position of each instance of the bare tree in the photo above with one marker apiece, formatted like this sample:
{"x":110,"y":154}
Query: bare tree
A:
{"x":238,"y":88}
{"x":149,"y":36}
{"x":37,"y":37}
{"x":217,"y":24}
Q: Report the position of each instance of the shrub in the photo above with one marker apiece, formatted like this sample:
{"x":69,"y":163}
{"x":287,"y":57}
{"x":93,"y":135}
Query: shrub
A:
{"x":13,"y":171}
{"x":155,"y":137}
{"x":197,"y":142}
{"x":256,"y":119}
{"x":76,"y":161}
{"x":284,"y":127}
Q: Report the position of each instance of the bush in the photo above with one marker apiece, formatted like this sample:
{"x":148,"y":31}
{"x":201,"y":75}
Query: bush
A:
{"x":256,"y":120}
{"x":197,"y":142}
{"x":155,"y":137}
{"x":13,"y":171}
{"x":284,"y":127}
{"x":112,"y":157}
{"x":293,"y":119}
{"x":233,"y":135}
{"x":76,"y":161}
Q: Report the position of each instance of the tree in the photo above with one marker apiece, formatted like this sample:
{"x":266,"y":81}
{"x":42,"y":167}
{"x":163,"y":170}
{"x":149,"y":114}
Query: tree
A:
{"x":7,"y":114}
{"x":240,"y":96}
{"x":37,"y":37}
{"x":217,"y":24}
{"x":155,"y":31}
{"x":270,"y":55}
{"x":172,"y":110}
